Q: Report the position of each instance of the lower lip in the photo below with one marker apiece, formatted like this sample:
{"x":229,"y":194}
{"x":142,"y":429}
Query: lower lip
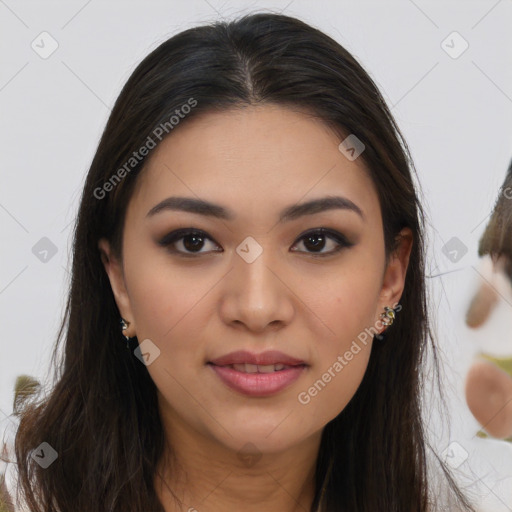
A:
{"x":258,"y":384}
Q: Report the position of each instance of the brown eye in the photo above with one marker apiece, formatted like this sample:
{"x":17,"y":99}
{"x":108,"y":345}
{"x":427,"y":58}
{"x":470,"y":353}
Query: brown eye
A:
{"x":192,"y":241}
{"x":315,"y":241}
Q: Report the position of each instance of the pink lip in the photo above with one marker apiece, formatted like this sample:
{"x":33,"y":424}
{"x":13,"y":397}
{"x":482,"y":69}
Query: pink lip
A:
{"x":265,"y":358}
{"x":258,"y":384}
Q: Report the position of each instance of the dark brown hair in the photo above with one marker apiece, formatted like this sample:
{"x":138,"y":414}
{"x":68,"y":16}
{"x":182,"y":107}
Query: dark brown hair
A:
{"x":101,"y":413}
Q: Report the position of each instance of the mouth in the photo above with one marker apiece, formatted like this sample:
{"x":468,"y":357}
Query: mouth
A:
{"x":258,"y":375}
{"x":259,"y":368}
{"x":265,"y":359}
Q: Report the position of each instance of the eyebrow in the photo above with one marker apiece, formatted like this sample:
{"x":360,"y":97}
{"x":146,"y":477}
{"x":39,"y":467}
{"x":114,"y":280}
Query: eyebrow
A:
{"x":201,"y":207}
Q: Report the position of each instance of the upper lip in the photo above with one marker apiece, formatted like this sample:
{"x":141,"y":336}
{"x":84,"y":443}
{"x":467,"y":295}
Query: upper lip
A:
{"x":265,"y":358}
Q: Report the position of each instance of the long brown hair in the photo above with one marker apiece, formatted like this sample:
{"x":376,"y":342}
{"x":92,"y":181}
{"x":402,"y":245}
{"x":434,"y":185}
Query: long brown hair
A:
{"x":101,"y":414}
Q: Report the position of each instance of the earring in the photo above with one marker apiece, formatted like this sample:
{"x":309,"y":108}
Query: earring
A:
{"x":124,"y":326}
{"x":388,"y":317}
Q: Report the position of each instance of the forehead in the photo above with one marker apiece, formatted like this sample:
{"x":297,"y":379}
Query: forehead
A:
{"x":257,"y":158}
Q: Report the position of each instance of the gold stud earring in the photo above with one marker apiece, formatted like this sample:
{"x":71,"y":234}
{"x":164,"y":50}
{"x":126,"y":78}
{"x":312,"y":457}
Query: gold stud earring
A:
{"x":388,"y":317}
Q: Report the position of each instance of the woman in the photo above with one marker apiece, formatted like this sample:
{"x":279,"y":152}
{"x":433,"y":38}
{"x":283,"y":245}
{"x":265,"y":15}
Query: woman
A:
{"x":250,"y":226}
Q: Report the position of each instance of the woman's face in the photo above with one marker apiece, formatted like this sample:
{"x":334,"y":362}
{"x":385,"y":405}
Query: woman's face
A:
{"x":252,"y":281}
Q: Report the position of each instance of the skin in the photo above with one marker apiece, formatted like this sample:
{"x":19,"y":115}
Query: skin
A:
{"x":256,"y":162}
{"x":481,"y":305}
{"x":489,"y":398}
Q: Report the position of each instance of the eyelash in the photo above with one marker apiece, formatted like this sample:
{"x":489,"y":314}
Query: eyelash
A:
{"x":168,"y":240}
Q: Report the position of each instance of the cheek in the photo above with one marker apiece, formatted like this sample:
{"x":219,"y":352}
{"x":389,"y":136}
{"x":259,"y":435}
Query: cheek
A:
{"x":170,"y":308}
{"x":344,"y":302}
{"x":346,"y":305}
{"x":331,"y":388}
{"x":164,"y":296}
{"x":341,"y":360}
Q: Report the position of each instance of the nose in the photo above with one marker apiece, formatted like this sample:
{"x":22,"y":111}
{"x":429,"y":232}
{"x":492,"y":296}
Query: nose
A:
{"x":258,"y":293}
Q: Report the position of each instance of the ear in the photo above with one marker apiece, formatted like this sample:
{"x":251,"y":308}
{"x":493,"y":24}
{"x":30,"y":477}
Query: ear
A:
{"x":394,"y":276}
{"x":114,"y":270}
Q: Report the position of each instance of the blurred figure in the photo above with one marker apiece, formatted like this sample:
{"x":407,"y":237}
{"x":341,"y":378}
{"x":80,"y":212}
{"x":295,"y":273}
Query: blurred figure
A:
{"x":24,"y":387}
{"x":489,"y":380}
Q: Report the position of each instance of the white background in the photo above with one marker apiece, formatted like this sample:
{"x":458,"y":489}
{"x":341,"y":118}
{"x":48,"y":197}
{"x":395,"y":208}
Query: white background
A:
{"x":456,"y":114}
